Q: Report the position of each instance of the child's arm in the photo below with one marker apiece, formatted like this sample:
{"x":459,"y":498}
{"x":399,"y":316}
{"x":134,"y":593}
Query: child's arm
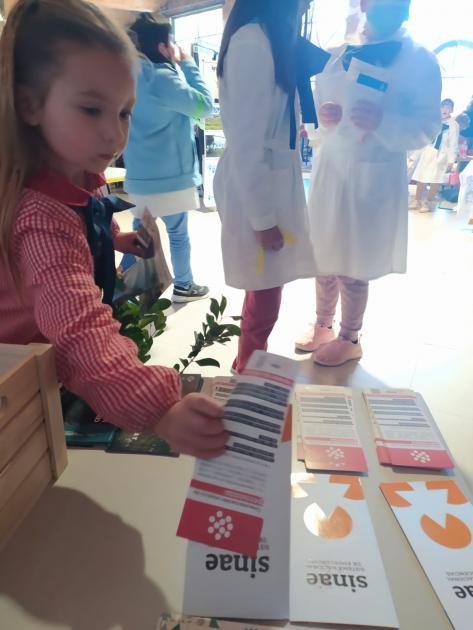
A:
{"x":190,"y":97}
{"x":419,"y":122}
{"x":93,"y":359}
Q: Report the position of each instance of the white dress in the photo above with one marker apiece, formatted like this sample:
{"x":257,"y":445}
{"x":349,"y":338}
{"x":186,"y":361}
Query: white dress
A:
{"x":433,"y":163}
{"x":258,"y":183}
{"x":359,"y":192}
{"x":165,"y":204}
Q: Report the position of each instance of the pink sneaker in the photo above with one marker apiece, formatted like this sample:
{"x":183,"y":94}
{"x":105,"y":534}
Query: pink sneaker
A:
{"x":314,"y":338}
{"x":338,"y":352}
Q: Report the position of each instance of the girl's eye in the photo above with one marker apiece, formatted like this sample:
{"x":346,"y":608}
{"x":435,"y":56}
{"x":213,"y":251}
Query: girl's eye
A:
{"x":91,"y":111}
{"x":126,"y":115}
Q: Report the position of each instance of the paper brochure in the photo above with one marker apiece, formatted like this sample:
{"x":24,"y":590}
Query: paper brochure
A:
{"x":330,"y":440}
{"x":225,"y":584}
{"x":224,"y":506}
{"x":437,"y":520}
{"x":336,"y":572}
{"x":405,"y":431}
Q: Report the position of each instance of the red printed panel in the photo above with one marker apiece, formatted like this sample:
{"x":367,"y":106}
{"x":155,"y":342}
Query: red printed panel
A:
{"x":220,"y":527}
{"x":346,"y":458}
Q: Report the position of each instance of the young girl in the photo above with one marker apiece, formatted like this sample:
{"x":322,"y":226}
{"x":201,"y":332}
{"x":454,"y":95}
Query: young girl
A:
{"x":258,"y":185}
{"x":67,"y":90}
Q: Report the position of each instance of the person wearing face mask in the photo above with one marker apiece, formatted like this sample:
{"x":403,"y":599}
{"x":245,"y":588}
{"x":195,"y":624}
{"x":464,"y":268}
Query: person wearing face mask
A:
{"x":161,"y":156}
{"x":436,"y":160}
{"x":358,"y":200}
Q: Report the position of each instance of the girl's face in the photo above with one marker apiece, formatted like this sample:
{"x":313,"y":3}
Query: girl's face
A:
{"x":85,"y":117}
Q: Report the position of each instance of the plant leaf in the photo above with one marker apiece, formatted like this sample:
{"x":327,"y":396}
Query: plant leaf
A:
{"x":208,"y":362}
{"x":223,"y":305}
{"x":214,"y":307}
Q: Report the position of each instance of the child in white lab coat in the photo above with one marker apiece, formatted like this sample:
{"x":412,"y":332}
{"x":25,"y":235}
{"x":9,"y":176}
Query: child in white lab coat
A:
{"x":358,"y":202}
{"x":436,"y":160}
{"x":258,"y":185}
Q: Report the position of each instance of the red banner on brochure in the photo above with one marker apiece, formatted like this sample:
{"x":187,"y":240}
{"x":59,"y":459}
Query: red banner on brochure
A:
{"x":220,"y":527}
{"x":336,"y":457}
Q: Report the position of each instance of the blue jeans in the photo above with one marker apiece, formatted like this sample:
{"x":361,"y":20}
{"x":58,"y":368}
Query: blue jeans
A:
{"x":176,"y":226}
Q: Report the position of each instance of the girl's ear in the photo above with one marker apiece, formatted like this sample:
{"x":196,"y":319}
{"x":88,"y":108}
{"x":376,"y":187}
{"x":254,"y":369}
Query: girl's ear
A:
{"x":29,"y":106}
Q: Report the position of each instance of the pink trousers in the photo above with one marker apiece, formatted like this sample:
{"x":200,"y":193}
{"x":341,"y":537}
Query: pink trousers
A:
{"x":354,"y":294}
{"x":260,"y":313}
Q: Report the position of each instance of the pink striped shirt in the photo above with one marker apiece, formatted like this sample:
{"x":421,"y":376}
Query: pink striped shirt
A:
{"x":58,"y":302}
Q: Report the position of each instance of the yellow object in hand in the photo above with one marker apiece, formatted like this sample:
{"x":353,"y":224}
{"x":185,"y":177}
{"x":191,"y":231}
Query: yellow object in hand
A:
{"x":289,"y":239}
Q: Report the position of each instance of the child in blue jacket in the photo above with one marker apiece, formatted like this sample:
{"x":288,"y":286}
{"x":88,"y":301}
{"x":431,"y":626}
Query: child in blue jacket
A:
{"x":161,"y":157}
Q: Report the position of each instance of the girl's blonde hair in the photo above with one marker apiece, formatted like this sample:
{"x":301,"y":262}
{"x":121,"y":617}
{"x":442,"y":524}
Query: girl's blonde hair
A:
{"x":31,"y":45}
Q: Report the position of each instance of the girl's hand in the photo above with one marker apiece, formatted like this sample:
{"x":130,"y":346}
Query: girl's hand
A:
{"x":271,"y":239}
{"x":137,"y":243}
{"x":330,"y":114}
{"x":193,"y":426}
{"x":366,"y":115}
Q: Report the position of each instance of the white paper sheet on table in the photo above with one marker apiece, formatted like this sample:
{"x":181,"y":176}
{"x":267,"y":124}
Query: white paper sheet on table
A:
{"x":336,"y":571}
{"x":224,"y":506}
{"x":437,"y":520}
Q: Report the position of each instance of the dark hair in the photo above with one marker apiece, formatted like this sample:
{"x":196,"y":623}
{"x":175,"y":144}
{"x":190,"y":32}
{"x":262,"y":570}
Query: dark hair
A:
{"x":278,"y":19}
{"x":447,"y":102}
{"x":147,"y":34}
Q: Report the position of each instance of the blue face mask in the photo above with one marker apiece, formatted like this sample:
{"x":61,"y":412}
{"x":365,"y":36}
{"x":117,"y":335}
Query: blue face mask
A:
{"x":386,"y":18}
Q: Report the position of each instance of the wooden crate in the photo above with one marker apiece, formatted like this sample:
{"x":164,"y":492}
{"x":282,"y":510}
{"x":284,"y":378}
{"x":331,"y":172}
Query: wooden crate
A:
{"x":32,"y":444}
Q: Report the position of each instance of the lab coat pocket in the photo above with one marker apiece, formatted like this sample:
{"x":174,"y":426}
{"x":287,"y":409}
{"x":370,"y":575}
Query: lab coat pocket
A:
{"x":371,"y":181}
{"x":280,"y":161}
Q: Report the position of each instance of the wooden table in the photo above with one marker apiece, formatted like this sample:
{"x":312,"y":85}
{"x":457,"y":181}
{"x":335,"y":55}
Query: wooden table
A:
{"x":99,"y":551}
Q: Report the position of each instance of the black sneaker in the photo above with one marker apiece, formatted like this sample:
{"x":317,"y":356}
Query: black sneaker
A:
{"x":192,"y":294}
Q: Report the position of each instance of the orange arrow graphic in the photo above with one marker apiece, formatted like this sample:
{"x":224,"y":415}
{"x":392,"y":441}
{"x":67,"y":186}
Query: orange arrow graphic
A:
{"x":455,"y":495}
{"x":354,"y":491}
{"x":390,"y":491}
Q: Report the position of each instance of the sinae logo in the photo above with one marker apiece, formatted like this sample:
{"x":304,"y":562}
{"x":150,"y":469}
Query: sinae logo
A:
{"x":234,"y":562}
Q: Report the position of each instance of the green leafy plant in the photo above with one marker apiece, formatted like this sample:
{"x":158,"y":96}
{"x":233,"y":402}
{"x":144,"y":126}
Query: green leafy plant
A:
{"x":135,"y":323}
{"x":213,"y":331}
{"x":143,"y":325}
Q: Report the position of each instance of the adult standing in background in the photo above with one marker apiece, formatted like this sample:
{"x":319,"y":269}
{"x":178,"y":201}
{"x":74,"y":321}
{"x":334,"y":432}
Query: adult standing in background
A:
{"x":161,"y":156}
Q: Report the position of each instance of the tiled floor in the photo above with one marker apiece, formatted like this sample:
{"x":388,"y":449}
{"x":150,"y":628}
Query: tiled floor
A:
{"x":418,"y":329}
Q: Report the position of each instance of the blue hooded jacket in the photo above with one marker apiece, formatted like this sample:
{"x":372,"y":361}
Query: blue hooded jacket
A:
{"x":161,"y":155}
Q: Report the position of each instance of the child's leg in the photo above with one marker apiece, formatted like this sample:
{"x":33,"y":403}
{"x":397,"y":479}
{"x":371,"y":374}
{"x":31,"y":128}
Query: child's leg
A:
{"x":354,"y":301}
{"x":327,"y":293}
{"x":420,"y":192}
{"x":346,"y":347}
{"x":176,"y":226}
{"x":260,"y":313}
{"x":434,"y":188}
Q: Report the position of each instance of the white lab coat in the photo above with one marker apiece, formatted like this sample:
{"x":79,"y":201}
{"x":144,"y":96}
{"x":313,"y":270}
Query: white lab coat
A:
{"x":258,"y":183}
{"x":359,"y":193}
{"x":433,"y":163}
